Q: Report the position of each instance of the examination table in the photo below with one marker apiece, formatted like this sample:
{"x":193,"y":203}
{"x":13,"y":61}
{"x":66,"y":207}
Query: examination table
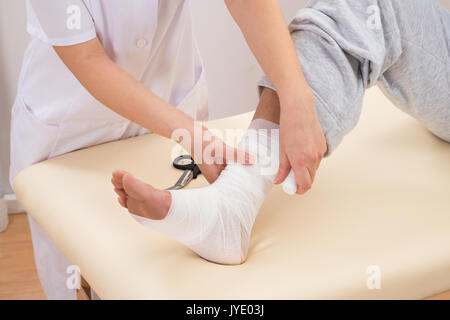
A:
{"x":376,"y":224}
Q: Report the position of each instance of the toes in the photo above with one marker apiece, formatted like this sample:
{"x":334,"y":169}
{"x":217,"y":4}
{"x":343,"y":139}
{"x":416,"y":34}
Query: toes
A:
{"x":135,"y":188}
{"x":142,"y":199}
{"x":122,"y":197}
{"x":117,"y":178}
{"x":122,"y":202}
{"x":121,"y":193}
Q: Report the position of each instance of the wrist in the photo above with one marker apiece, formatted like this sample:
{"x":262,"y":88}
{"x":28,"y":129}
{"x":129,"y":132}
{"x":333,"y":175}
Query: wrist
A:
{"x":186,"y":133}
{"x":200,"y":138}
{"x":294,"y":90}
{"x":302,"y":97}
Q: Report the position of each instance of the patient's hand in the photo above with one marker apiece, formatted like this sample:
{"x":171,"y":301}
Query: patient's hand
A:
{"x":302,"y":140}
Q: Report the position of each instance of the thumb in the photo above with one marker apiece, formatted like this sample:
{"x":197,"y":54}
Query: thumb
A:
{"x":284,"y":169}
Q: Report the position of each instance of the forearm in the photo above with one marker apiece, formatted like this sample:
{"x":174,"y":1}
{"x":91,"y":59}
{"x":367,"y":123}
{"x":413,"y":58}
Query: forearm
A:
{"x":267,"y":35}
{"x":120,"y":92}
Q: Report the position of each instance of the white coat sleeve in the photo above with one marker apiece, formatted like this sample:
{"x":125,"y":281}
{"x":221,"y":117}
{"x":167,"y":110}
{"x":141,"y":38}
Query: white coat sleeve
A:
{"x":60,"y":22}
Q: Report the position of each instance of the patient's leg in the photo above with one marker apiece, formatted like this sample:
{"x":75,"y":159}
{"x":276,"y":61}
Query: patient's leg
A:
{"x":215,"y":221}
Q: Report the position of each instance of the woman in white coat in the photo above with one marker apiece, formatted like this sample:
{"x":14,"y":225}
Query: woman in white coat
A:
{"x":103,"y":70}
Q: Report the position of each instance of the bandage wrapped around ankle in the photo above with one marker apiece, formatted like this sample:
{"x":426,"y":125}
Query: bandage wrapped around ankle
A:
{"x":216,"y":221}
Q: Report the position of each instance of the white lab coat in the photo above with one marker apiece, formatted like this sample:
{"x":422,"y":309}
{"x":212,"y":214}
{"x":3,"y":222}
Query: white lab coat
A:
{"x":54,"y":114}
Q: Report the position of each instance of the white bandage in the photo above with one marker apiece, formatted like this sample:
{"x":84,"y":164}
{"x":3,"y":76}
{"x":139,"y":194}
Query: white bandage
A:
{"x":216,"y":221}
{"x":290,"y":184}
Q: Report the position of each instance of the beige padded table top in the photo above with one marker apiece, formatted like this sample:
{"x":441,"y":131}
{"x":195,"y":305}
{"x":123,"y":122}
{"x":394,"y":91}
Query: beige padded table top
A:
{"x":382,"y":199}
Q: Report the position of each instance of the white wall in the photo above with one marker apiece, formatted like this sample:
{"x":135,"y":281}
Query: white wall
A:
{"x":231,"y":70}
{"x":13,"y":41}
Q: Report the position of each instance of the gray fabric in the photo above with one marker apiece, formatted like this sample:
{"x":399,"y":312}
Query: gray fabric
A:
{"x":343,"y":51}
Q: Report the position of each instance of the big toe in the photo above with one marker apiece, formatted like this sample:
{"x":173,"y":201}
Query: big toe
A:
{"x":135,"y":188}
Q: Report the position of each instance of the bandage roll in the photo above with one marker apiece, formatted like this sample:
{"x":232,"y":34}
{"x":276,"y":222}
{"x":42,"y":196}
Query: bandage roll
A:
{"x":290,"y":184}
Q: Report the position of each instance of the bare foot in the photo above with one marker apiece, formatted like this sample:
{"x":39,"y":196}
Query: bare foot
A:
{"x":141,"y":198}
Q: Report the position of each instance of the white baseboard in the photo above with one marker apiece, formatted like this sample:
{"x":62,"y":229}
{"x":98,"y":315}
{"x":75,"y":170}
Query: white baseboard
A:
{"x":3,"y":215}
{"x":13,"y":205}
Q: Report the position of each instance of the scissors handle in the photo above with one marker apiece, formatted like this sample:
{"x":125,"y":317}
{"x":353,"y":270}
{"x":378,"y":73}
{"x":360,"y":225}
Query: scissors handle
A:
{"x":178,"y":164}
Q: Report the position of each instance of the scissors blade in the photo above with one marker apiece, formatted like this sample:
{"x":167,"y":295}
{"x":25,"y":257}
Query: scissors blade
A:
{"x":185,"y":178}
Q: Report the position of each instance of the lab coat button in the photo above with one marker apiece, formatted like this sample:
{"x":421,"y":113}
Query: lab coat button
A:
{"x":141,"y":43}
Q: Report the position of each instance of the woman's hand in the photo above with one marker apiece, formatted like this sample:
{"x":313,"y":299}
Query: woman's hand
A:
{"x":209,"y":152}
{"x":303,"y":143}
{"x":222,"y":154}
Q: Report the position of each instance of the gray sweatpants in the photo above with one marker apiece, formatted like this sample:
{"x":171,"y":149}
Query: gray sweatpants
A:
{"x":403,"y":46}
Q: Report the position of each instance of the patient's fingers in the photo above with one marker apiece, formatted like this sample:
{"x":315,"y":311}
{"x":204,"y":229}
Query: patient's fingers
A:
{"x":283,"y":170}
{"x":303,"y":178}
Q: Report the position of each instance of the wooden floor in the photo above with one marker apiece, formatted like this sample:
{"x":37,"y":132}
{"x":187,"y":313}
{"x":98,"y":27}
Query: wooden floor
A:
{"x":18,"y":277}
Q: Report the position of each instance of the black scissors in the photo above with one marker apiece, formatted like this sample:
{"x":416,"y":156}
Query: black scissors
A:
{"x":191,"y":171}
